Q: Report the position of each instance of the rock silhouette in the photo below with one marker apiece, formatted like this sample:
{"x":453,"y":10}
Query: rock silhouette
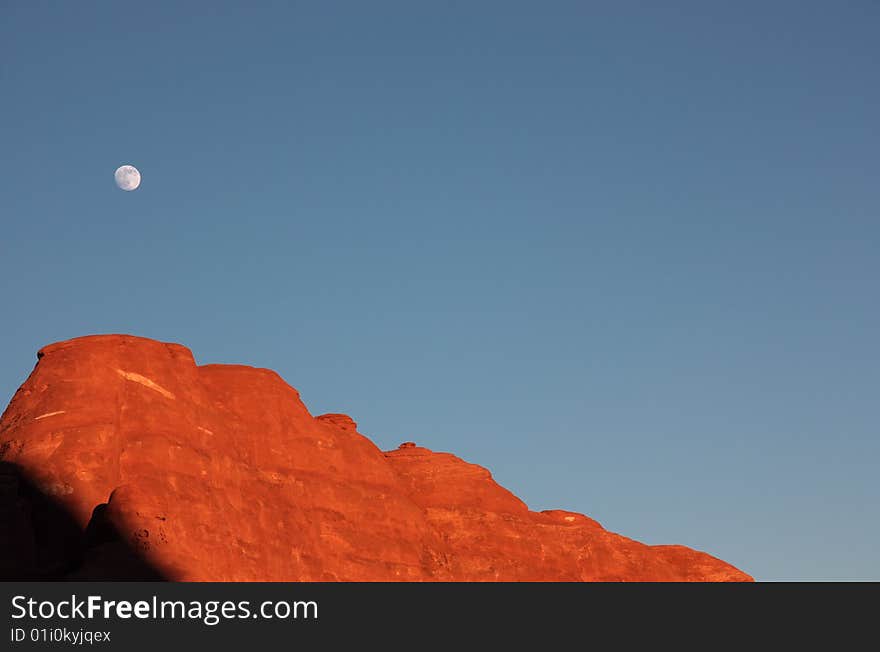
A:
{"x":123,"y":459}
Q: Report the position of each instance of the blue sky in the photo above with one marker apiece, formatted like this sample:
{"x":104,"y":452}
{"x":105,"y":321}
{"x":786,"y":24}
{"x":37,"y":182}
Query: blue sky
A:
{"x":623,"y":255}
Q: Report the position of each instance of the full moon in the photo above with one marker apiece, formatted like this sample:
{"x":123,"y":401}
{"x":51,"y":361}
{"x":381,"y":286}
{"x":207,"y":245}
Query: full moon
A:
{"x":127,"y":177}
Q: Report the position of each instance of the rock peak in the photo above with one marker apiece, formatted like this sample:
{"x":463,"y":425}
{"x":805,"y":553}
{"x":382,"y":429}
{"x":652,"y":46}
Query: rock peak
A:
{"x":113,"y":340}
{"x":341,"y":421}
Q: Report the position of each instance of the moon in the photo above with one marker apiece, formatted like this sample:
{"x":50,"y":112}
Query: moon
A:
{"x":127,"y":177}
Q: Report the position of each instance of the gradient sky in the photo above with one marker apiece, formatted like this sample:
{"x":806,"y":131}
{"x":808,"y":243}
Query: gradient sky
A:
{"x":624,"y":256}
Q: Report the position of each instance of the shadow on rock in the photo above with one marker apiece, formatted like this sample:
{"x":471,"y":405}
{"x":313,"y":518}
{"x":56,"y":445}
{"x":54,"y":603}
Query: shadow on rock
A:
{"x":41,"y":541}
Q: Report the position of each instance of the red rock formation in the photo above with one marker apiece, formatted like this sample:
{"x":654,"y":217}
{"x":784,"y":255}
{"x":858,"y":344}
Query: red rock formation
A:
{"x":123,"y":458}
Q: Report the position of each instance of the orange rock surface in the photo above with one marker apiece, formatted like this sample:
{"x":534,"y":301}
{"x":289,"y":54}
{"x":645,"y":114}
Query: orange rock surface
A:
{"x":121,"y":458}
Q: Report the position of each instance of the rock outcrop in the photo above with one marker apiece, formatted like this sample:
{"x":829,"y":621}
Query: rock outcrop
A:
{"x":121,"y":458}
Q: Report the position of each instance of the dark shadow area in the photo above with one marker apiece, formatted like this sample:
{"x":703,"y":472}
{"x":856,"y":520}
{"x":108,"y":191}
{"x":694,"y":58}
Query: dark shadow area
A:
{"x":41,"y":541}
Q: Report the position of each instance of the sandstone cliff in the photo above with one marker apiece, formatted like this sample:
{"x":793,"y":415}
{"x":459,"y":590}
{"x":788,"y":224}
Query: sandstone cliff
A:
{"x":121,"y":458}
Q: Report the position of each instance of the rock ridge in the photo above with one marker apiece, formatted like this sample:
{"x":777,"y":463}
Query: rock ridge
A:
{"x":121,"y":458}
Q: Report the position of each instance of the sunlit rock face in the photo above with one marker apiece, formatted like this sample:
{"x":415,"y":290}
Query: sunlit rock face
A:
{"x":121,"y":458}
